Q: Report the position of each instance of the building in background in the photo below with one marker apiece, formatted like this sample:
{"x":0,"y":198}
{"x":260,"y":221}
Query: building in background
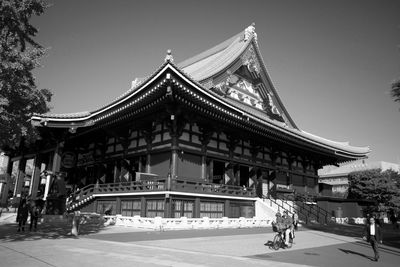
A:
{"x":337,"y":176}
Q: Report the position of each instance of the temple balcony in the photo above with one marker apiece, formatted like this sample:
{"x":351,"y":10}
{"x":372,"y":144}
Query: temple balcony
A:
{"x":153,"y":186}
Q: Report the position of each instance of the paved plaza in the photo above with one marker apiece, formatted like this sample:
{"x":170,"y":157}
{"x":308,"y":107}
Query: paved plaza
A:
{"x":52,"y":245}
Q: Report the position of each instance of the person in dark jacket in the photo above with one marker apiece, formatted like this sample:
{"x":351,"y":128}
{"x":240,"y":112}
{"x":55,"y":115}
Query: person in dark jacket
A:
{"x":22,"y":215}
{"x":34,"y":212}
{"x":373,"y":235}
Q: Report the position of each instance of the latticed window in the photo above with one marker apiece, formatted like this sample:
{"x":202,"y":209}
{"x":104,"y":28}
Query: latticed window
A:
{"x":130,"y":208}
{"x":108,"y":207}
{"x":212,"y":209}
{"x":155,"y":208}
{"x":183,"y":208}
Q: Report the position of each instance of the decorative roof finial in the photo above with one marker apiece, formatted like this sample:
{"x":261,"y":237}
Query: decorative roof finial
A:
{"x":169,"y":57}
{"x":251,"y":30}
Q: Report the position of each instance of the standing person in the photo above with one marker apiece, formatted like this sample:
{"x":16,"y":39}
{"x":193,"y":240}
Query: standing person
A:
{"x":295,"y":220}
{"x":373,"y":235}
{"x":22,"y":215}
{"x":288,"y":224}
{"x":34,"y":212}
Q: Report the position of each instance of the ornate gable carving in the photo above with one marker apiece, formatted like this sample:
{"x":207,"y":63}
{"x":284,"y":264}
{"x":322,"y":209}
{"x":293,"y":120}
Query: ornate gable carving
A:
{"x":250,"y":60}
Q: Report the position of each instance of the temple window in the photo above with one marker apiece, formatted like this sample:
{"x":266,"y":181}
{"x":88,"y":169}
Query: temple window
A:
{"x":211,"y":209}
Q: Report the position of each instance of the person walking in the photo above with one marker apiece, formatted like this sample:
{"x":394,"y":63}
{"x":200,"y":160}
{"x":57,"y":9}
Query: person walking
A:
{"x":34,"y":212}
{"x":373,"y":235}
{"x":22,"y":215}
{"x":295,"y":220}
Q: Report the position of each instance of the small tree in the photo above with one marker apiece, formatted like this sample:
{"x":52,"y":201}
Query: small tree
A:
{"x":375,"y":185}
{"x":19,"y":54}
{"x":396,"y":90}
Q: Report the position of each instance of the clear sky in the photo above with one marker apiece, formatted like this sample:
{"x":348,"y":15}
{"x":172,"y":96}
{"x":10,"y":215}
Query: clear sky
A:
{"x":332,"y":62}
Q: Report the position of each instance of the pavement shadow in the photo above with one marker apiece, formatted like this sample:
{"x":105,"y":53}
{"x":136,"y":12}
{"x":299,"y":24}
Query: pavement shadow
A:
{"x":391,"y":237}
{"x":55,"y":230}
{"x":356,"y":253}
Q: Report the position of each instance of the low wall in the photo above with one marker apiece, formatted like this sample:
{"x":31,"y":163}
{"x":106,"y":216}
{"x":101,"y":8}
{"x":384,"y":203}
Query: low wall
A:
{"x":183,"y":223}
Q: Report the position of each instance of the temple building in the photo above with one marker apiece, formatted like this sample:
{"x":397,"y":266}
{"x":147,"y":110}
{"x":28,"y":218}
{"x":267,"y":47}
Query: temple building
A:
{"x":206,"y":137}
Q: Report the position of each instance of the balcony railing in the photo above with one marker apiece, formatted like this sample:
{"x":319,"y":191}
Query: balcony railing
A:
{"x":181,"y":185}
{"x":161,"y":184}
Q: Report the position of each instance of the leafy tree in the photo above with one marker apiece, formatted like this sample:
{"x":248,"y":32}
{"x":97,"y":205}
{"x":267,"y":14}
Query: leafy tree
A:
{"x":396,"y":90}
{"x":375,"y":185}
{"x":19,"y":55}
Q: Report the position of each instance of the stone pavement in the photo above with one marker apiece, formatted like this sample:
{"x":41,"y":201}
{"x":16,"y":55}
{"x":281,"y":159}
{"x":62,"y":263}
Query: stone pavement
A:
{"x":123,"y":246}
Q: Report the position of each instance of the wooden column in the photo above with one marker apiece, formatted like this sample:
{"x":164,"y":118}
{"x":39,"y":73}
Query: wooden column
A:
{"x":197,"y":207}
{"x":205,"y":139}
{"x":227,"y":208}
{"x":20,"y":178}
{"x":56,"y":164}
{"x":118,"y":206}
{"x":142,"y":206}
{"x":175,"y":126}
{"x":35,"y":177}
{"x":6,"y":185}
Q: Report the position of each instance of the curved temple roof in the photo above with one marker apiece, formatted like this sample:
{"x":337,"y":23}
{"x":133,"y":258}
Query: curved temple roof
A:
{"x":212,"y":69}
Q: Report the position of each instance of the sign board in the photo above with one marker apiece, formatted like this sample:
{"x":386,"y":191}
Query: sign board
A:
{"x":68,"y":160}
{"x":85,"y":159}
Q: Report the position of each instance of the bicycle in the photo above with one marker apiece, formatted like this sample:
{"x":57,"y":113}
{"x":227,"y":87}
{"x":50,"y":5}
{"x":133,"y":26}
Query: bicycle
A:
{"x":278,"y":241}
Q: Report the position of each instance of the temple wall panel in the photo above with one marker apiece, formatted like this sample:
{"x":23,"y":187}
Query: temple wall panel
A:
{"x":142,"y":141}
{"x":246,"y":152}
{"x":311,"y":182}
{"x":158,"y":127}
{"x":297,"y":180}
{"x":189,"y":166}
{"x":195,"y":128}
{"x":212,"y":144}
{"x":132,"y":144}
{"x":223,"y":146}
{"x":285,"y":162}
{"x":299,"y":189}
{"x":166,"y":136}
{"x":246,"y":144}
{"x":111,"y":140}
{"x":119,"y":148}
{"x":157,"y":138}
{"x":185,"y":136}
{"x":223,"y":137}
{"x":238,"y":150}
{"x":110,"y":149}
{"x":196,"y":139}
{"x":134,"y":134}
{"x":160,"y":163}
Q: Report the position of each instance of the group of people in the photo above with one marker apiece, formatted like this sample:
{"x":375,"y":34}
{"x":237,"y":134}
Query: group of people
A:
{"x":286,"y":225}
{"x":24,"y":210}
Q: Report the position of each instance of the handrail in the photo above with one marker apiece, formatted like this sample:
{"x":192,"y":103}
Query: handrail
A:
{"x":159,"y":184}
{"x":315,"y":210}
